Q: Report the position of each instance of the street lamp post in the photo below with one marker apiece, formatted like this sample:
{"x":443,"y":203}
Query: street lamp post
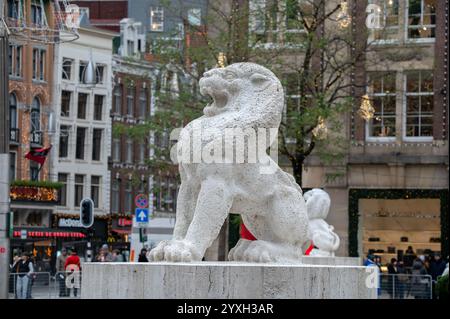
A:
{"x":4,"y":158}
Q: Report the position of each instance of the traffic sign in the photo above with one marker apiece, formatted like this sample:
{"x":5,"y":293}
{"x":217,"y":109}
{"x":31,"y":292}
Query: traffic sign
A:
{"x":142,"y":215}
{"x":141,"y":201}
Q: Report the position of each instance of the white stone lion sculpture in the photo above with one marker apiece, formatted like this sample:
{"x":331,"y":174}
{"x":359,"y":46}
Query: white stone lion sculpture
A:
{"x":247,"y":96}
{"x":320,"y":232}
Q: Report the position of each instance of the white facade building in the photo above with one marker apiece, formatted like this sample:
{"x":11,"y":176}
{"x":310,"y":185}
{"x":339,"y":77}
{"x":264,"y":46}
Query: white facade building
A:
{"x":82,"y":104}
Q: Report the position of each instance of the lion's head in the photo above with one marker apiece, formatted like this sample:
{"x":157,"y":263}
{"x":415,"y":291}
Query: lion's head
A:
{"x":247,"y":88}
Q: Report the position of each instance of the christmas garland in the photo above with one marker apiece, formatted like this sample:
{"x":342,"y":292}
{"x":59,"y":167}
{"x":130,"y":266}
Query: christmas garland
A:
{"x":353,"y":211}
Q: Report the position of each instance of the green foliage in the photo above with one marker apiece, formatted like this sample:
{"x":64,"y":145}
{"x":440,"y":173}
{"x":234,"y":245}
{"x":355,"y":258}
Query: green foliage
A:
{"x":233,"y":230}
{"x":43,"y":184}
{"x":442,"y":287}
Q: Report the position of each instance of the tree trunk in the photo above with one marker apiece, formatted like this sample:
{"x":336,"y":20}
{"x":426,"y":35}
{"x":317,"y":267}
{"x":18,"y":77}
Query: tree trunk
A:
{"x":297,"y":168}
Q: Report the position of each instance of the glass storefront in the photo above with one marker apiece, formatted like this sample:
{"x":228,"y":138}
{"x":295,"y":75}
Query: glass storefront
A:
{"x":400,"y":228}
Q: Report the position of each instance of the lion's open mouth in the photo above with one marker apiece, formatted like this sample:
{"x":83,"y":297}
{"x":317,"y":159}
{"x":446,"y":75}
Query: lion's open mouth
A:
{"x":219,"y":97}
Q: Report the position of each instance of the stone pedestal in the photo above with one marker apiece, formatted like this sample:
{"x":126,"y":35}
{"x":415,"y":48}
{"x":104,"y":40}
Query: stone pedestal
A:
{"x":332,"y":261}
{"x":224,"y":280}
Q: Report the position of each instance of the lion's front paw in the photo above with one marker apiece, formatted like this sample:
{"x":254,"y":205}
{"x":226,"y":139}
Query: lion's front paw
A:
{"x":181,"y":251}
{"x":260,"y":251}
{"x":252,"y":251}
{"x":157,"y":253}
{"x":175,"y":251}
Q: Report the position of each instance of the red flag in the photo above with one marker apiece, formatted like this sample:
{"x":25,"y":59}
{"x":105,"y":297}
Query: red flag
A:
{"x":38,"y":155}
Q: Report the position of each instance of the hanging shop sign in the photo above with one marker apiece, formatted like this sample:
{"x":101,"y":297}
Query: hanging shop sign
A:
{"x":68,"y":222}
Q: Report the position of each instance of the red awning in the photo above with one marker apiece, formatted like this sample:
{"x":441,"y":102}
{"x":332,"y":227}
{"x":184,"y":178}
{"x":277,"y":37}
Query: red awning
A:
{"x":49,"y":234}
{"x":122,"y":231}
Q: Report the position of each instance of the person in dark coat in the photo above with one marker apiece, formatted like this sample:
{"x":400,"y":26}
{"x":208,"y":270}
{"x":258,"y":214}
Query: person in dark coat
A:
{"x":437,"y":266}
{"x":392,"y":271}
{"x":143,"y":256}
{"x":420,"y":285}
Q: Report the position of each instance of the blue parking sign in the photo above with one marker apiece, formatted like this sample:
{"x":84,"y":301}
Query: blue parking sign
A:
{"x":142,"y":215}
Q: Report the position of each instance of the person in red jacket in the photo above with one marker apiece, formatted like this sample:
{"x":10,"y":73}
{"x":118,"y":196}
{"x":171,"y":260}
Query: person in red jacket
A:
{"x":73,"y":264}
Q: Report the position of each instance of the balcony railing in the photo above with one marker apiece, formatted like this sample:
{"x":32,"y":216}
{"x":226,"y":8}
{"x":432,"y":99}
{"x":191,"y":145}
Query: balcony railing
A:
{"x":14,"y":135}
{"x":36,"y":139}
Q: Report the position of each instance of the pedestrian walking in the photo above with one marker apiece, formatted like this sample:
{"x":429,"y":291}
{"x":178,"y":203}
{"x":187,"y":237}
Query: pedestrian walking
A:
{"x":392,"y":277}
{"x":23,"y":268}
{"x":61,"y":273}
{"x":105,"y":255}
{"x":419,"y":284}
{"x":143,"y":256}
{"x":117,"y":256}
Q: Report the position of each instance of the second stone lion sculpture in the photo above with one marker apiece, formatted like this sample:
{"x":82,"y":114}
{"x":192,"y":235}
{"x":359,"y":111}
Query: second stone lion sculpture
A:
{"x":244,"y":96}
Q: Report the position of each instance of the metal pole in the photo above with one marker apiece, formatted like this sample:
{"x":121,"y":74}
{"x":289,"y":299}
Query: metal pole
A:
{"x":4,"y":158}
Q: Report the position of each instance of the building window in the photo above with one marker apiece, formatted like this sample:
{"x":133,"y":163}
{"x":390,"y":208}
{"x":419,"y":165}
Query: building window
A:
{"x":116,"y":150}
{"x":421,"y":19}
{"x":419,"y":104}
{"x":95,"y":190}
{"x":12,"y":166}
{"x":142,"y":153}
{"x":128,"y":205}
{"x":292,"y":88}
{"x":12,"y":111}
{"x":67,"y":69}
{"x":275,"y":22}
{"x":382,"y":93}
{"x":34,"y":171}
{"x":37,"y":13}
{"x":15,"y":60}
{"x":84,"y":12}
{"x":129,"y":157}
{"x":64,"y":141}
{"x":130,"y":48}
{"x":143,"y":102}
{"x":170,"y":195}
{"x":11,"y":50}
{"x":82,"y":105}
{"x":38,"y":64}
{"x":195,"y":16}
{"x":65,"y":103}
{"x":117,"y":99}
{"x":141,"y":187}
{"x":42,"y":65}
{"x":62,"y":192}
{"x":98,"y":107}
{"x":156,"y":19}
{"x":82,"y":71}
{"x":35,"y":63}
{"x":13,"y":9}
{"x":388,"y":19}
{"x":79,"y":189}
{"x":81,"y":139}
{"x":115,"y":196}
{"x":96,"y":144}
{"x":99,"y":73}
{"x":35,"y":115}
{"x":130,"y":100}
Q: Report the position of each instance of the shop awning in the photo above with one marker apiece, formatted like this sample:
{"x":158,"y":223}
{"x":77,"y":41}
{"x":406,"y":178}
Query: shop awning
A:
{"x":49,"y":234}
{"x":122,"y":231}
